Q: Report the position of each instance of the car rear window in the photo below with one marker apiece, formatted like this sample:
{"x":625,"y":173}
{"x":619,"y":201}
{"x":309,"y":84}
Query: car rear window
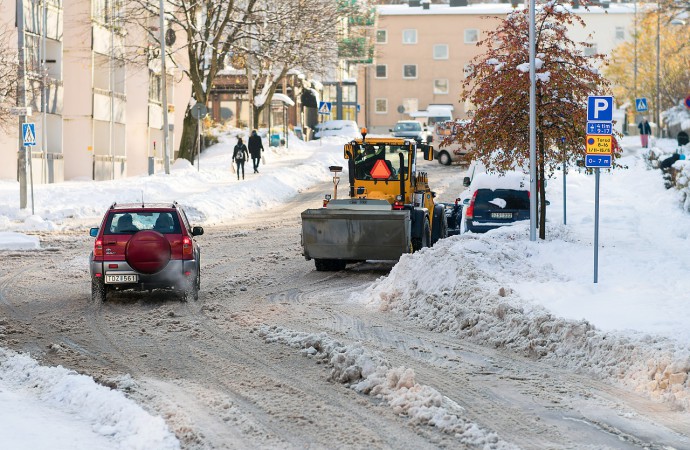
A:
{"x":165,"y":222}
{"x":512,"y":199}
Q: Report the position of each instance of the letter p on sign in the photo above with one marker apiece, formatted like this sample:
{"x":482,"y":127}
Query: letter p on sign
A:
{"x":599,"y":109}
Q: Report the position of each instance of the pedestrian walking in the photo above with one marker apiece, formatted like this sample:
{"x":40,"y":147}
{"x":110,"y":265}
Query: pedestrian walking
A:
{"x":255,"y":149}
{"x":240,"y":155}
{"x":645,"y":131}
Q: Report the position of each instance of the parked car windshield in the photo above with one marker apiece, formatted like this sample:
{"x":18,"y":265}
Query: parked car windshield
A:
{"x":367,"y":155}
{"x":408,"y":126}
{"x":131,"y":222}
{"x":508,"y":199}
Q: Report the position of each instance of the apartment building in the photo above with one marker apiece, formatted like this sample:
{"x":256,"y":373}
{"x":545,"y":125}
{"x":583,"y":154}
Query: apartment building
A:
{"x":423,"y":50}
{"x":94,"y":87}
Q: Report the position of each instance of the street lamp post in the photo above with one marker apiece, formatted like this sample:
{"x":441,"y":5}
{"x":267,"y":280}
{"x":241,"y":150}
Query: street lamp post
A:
{"x":657,"y":109}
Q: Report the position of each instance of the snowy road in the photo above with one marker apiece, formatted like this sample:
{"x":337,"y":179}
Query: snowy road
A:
{"x":209,"y":369}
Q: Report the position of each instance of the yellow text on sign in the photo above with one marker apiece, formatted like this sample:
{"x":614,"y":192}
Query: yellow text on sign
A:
{"x":598,"y":144}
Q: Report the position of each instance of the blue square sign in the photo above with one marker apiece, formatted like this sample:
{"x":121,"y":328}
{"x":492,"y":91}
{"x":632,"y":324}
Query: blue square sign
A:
{"x":599,"y":108}
{"x":599,"y":128}
{"x":592,"y":160}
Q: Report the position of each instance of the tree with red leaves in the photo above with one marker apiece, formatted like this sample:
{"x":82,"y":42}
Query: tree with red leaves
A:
{"x":498,"y":87}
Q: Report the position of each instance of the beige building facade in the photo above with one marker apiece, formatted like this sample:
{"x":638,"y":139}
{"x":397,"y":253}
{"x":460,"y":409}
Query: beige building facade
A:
{"x":422,"y":53}
{"x":96,"y":108}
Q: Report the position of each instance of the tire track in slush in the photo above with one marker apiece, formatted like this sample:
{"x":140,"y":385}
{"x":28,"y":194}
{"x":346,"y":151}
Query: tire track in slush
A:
{"x":322,"y":391}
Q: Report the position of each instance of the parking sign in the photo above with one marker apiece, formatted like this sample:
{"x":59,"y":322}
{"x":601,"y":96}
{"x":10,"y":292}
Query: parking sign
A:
{"x":599,"y":108}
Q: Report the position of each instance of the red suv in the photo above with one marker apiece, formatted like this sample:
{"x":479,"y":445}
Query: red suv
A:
{"x":145,"y":247}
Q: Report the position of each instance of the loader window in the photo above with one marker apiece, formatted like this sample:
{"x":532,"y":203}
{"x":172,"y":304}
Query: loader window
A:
{"x":368,"y":154}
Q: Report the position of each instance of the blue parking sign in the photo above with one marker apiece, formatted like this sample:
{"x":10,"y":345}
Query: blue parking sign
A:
{"x":599,"y":108}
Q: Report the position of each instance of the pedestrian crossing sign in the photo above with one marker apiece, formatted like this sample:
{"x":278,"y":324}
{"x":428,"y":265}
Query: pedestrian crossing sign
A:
{"x":641,"y":104}
{"x":29,"y":134}
{"x":324,"y":108}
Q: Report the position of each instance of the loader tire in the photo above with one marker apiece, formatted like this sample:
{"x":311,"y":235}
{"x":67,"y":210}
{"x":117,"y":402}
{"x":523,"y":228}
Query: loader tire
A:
{"x":329,"y":265}
{"x":425,"y":240}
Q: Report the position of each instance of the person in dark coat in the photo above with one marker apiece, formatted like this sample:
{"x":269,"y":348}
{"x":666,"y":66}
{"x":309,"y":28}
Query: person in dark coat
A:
{"x":240,"y":155}
{"x":645,"y":131}
{"x":255,"y":149}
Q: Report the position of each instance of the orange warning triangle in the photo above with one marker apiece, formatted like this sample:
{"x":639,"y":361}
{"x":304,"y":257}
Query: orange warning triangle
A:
{"x":380,"y":170}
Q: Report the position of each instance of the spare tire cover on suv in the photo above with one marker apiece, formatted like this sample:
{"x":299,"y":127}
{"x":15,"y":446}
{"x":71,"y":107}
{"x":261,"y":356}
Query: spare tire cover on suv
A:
{"x":147,"y":251}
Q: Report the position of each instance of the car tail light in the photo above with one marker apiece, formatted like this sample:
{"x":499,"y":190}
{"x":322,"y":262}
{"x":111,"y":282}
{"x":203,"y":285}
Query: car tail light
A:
{"x":469,"y":212}
{"x":187,"y":249}
{"x":98,"y":248}
{"x":398,"y":205}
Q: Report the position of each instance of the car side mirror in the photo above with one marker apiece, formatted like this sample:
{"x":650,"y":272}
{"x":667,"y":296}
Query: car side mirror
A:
{"x":197,"y":231}
{"x":93,"y":232}
{"x":466,"y":181}
{"x":390,"y":130}
{"x":548,"y":203}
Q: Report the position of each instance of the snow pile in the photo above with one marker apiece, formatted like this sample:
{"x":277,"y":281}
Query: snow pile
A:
{"x":371,"y":374}
{"x":18,"y":241}
{"x":109,"y":413}
{"x":471,"y":296}
{"x":210,"y":193}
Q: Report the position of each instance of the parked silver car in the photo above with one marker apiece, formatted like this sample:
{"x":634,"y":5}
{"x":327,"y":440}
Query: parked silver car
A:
{"x":411,"y":129}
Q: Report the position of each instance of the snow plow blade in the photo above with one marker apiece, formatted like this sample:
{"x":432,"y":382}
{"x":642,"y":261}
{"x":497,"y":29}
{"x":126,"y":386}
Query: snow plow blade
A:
{"x":350,"y":235}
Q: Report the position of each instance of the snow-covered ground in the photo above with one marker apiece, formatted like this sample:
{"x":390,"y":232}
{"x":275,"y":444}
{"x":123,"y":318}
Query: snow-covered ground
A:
{"x":499,"y":288}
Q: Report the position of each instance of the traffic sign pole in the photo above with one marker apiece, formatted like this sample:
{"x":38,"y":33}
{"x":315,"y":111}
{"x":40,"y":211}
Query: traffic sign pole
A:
{"x":596,"y":225}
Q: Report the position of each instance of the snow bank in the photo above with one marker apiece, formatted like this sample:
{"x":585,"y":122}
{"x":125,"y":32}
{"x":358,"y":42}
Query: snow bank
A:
{"x":466,"y":299}
{"x":109,"y":413}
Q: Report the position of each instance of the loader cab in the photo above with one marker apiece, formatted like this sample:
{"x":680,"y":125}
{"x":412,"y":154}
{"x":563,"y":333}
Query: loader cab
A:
{"x":381,"y":162}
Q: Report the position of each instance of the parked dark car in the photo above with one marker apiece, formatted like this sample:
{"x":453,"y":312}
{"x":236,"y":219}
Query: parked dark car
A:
{"x":145,"y":247}
{"x":495,"y":200}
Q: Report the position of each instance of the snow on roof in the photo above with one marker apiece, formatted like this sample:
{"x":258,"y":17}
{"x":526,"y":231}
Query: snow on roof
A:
{"x":490,"y":8}
{"x":508,"y":180}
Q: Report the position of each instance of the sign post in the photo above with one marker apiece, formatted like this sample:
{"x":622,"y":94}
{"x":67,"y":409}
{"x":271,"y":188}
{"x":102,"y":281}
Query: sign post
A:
{"x":198,"y":111}
{"x":29,"y":141}
{"x":598,"y":153}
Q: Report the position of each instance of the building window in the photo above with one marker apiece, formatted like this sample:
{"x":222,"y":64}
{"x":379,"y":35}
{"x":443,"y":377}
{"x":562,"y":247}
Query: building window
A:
{"x":409,"y":71}
{"x":468,"y":69}
{"x":591,"y":51}
{"x":381,"y":105}
{"x":349,"y":93}
{"x":330,"y":93}
{"x":381,"y":71}
{"x":441,"y":86}
{"x":620,"y":33}
{"x":381,"y":37}
{"x":409,"y":36}
{"x":441,"y":51}
{"x":471,"y":36}
{"x":108,"y":11}
{"x":410,"y":104}
{"x":155,"y":91}
{"x":31,"y":53}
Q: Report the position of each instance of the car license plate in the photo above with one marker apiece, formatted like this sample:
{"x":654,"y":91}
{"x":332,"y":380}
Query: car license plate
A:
{"x":501,"y":215}
{"x":121,"y":278}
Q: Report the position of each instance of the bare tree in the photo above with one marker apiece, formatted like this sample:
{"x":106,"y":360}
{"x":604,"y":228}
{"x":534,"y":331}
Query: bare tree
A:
{"x":292,"y":34}
{"x":264,"y":36}
{"x":203,"y":33}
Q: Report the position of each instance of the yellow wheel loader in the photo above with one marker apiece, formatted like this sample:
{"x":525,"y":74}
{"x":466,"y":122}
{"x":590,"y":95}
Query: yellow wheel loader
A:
{"x":390,"y":209}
